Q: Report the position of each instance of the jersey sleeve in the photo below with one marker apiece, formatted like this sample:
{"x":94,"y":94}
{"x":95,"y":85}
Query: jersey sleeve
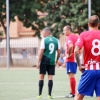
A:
{"x":80,"y":41}
{"x":42,"y":46}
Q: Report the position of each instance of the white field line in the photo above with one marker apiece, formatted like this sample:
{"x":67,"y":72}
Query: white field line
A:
{"x":44,"y":98}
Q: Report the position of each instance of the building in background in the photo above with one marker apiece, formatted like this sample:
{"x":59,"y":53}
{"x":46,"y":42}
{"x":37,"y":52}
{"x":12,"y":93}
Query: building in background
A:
{"x":22,"y":38}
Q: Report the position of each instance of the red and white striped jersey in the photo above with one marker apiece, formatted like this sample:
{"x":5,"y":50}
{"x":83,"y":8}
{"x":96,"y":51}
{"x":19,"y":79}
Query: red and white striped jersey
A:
{"x":95,"y":66}
{"x":91,"y":42}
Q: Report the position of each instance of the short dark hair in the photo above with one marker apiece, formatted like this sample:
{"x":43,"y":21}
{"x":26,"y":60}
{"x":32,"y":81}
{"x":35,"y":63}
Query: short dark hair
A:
{"x":47,"y":29}
{"x":93,"y":20}
{"x":68,"y":27}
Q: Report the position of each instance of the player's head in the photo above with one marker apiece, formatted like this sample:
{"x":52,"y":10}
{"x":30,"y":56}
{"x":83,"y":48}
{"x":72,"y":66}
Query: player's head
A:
{"x":67,"y":30}
{"x":46,"y":32}
{"x":93,"y":21}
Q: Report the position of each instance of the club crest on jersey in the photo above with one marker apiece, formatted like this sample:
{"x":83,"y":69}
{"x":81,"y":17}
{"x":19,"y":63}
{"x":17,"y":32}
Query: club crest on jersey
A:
{"x":78,"y":40}
{"x":69,"y":41}
{"x":50,"y":39}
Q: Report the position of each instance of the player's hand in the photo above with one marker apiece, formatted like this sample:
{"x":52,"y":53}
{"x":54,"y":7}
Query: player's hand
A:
{"x":82,"y":68}
{"x":38,"y":66}
{"x":56,"y":64}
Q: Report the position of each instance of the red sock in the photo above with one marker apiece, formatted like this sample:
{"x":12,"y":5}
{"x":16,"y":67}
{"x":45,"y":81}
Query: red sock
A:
{"x":72,"y":85}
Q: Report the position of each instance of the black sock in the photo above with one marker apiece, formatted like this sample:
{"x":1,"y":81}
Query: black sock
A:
{"x":50,"y":85}
{"x":41,"y":82}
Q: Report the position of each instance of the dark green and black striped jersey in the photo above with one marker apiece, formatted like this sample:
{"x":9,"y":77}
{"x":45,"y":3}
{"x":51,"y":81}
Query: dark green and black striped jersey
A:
{"x":50,"y":45}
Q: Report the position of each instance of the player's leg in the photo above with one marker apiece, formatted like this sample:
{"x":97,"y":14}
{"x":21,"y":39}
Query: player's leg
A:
{"x":50,"y":85}
{"x":71,"y":68}
{"x":78,"y":97}
{"x":72,"y":83}
{"x":98,"y":98}
{"x":41,"y":78}
{"x":51,"y":72}
{"x":41,"y":83}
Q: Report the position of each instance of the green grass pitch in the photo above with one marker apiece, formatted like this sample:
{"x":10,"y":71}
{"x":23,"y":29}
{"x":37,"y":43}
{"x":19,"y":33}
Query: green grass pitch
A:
{"x":22,"y":84}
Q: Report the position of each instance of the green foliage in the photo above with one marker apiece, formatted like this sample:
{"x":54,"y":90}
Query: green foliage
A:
{"x":69,"y":12}
{"x":60,"y":13}
{"x":25,"y":10}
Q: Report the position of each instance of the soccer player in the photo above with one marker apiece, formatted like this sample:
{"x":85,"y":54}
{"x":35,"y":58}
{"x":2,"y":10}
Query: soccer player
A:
{"x":71,"y":66}
{"x":46,"y":60}
{"x":90,"y":78}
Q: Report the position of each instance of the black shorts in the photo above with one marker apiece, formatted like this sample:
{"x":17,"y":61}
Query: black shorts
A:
{"x":50,"y":69}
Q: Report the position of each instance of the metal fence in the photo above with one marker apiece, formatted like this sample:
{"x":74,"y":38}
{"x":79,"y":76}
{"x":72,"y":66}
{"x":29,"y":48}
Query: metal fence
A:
{"x":23,"y":50}
{"x":21,"y":47}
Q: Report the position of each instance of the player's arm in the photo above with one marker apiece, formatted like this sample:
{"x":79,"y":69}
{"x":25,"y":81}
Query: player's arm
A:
{"x":79,"y":45}
{"x":40,"y":55}
{"x":42,"y":47}
{"x":58,"y":51}
{"x":76,"y":52}
{"x":69,"y":50}
{"x":58,"y":55}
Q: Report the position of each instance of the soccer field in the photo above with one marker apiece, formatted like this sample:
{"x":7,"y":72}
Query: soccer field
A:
{"x":22,"y":84}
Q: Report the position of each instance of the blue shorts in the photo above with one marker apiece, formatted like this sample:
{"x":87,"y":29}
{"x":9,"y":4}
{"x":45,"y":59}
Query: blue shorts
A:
{"x":71,"y":67}
{"x":89,"y":82}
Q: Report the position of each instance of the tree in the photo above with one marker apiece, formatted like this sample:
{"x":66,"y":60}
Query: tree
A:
{"x":69,"y":12}
{"x":26,"y":11}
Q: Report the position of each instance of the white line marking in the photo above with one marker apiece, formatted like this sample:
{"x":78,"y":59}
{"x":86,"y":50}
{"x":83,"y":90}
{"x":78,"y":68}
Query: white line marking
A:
{"x":45,"y":97}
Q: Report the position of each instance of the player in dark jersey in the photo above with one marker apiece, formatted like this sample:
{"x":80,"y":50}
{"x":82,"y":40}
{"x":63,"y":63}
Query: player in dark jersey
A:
{"x":47,"y":58}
